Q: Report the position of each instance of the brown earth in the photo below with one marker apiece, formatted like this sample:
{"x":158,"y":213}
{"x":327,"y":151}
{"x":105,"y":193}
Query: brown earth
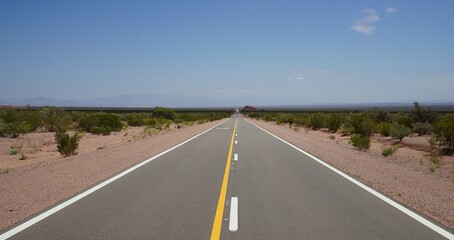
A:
{"x":45,"y":178}
{"x":404,"y":176}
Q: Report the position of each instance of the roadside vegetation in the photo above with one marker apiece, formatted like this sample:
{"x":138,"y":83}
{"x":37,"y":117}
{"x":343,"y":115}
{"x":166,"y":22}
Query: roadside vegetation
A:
{"x":69,"y":126}
{"x":361,"y":126}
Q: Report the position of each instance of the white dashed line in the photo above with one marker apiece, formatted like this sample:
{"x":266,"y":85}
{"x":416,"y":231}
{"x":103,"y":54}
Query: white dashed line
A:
{"x":236,"y":142}
{"x":235,"y":157}
{"x":233,"y":223}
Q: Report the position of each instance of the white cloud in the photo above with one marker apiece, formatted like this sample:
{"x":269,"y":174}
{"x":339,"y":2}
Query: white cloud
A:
{"x":391,"y":10}
{"x":311,"y":73}
{"x":362,"y":28}
{"x":365,"y":25}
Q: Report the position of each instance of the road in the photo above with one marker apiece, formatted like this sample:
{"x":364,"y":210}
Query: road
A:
{"x":232,"y":182}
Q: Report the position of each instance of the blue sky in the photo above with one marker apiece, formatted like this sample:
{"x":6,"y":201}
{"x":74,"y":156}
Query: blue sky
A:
{"x":233,"y":52}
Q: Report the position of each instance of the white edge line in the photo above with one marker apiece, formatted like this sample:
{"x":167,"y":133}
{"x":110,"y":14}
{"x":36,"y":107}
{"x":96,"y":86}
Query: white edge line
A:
{"x":59,"y":207}
{"x":403,"y":209}
{"x":233,"y":221}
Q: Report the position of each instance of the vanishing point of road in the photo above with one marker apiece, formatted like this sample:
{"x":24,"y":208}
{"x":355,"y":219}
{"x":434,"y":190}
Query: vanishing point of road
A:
{"x":234,"y":181}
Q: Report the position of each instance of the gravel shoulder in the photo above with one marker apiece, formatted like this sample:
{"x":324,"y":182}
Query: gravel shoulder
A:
{"x":32,"y":185}
{"x":404,"y":176}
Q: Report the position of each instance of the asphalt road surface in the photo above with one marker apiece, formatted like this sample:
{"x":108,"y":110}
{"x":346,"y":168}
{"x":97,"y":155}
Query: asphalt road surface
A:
{"x":233,"y":182}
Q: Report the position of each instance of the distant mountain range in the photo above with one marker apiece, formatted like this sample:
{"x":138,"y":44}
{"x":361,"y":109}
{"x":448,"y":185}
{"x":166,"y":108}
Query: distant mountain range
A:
{"x":132,"y":100}
{"x":175,"y":101}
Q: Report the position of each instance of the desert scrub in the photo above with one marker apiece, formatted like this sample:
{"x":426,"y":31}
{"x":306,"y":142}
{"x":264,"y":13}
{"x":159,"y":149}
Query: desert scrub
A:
{"x":422,"y":128}
{"x":332,"y":137}
{"x":383,"y":129}
{"x":4,"y":170}
{"x":421,"y":114}
{"x":435,"y":160}
{"x":67,"y":145}
{"x":14,"y":150}
{"x":361,"y":142}
{"x":136,"y":119}
{"x":14,"y":129}
{"x":334,"y":122}
{"x":23,"y":157}
{"x":398,"y":131}
{"x":100,"y":123}
{"x":444,"y":131}
{"x":317,"y":121}
{"x":55,"y":119}
{"x":388,"y":151}
{"x":162,"y":112}
{"x":363,"y":124}
{"x":347,"y":130}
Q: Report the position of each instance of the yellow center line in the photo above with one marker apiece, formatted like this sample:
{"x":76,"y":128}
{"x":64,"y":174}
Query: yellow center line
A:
{"x":217,"y":224}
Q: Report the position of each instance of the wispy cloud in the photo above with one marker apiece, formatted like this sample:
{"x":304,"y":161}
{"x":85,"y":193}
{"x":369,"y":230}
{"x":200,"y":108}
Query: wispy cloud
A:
{"x":309,"y":74}
{"x":365,"y":25}
{"x":391,"y":10}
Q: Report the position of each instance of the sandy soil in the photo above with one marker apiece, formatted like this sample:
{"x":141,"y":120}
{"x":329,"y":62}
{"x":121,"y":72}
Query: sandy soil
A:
{"x":45,"y":178}
{"x":404,"y":176}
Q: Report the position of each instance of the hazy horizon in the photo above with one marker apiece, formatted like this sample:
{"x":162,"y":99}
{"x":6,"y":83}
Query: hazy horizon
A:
{"x":227,"y":53}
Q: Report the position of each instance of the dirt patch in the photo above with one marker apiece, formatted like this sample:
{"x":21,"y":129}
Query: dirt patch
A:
{"x":45,"y":178}
{"x":405,"y":176}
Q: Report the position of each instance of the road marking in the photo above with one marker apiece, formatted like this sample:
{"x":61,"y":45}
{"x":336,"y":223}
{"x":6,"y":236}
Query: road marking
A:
{"x":236,"y":142}
{"x":235,"y":157}
{"x":59,"y":207}
{"x":217,"y":224}
{"x":401,"y":208}
{"x":236,"y":135}
{"x":233,"y":223}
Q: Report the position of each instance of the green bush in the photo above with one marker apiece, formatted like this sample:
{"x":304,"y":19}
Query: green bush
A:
{"x":398,"y":131}
{"x":347,"y":130}
{"x":378,"y":115}
{"x":388,"y":151}
{"x":361,"y":142}
{"x":14,"y":122}
{"x":56,"y":119}
{"x":14,"y":150}
{"x":284,"y":118}
{"x":162,"y":112}
{"x":406,"y":120}
{"x":362,"y":124}
{"x":67,"y":145}
{"x":302,"y":120}
{"x":14,"y":129}
{"x":444,"y":131}
{"x":109,"y":120}
{"x":100,"y":123}
{"x":134,"y":119}
{"x":422,"y":128}
{"x":317,"y":121}
{"x":424,"y":115}
{"x":334,"y":122}
{"x":32,"y":118}
{"x":383,"y":129}
{"x":101,"y":130}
